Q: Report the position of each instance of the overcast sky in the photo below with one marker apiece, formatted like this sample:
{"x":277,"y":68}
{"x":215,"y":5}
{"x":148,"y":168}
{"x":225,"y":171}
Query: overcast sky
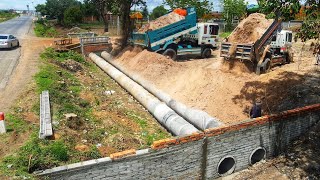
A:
{"x":22,"y":4}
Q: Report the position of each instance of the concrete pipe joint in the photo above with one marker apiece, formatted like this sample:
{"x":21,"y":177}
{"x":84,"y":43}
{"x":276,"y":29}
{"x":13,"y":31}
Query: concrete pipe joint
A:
{"x":165,"y":115}
{"x":198,"y":118}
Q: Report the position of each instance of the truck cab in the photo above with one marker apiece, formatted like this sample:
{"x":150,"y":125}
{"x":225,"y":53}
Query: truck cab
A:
{"x":282,"y":39}
{"x":208,"y":33}
{"x":199,"y":42}
{"x":279,"y":52}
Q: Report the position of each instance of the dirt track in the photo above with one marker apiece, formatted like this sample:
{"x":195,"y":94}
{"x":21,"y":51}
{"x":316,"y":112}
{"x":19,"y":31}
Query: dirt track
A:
{"x":226,"y":90}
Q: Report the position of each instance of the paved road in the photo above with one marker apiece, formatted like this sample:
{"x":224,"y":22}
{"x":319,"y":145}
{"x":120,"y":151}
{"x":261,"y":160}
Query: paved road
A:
{"x":19,"y":27}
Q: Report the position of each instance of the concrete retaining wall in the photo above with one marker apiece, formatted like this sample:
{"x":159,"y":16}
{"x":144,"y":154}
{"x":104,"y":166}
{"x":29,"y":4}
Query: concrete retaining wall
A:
{"x":207,"y":155}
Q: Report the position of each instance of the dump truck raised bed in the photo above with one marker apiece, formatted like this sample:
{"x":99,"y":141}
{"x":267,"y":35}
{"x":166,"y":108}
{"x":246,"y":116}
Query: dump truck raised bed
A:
{"x":180,"y":38}
{"x":272,"y":48}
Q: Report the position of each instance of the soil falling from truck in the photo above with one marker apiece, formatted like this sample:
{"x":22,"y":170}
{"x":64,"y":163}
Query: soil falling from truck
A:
{"x":250,"y":29}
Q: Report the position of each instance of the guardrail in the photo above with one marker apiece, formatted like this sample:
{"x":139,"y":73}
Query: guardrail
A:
{"x":45,"y":116}
{"x":92,"y":40}
{"x":79,"y":35}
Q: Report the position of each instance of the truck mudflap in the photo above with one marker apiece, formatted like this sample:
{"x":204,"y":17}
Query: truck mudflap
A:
{"x":140,"y":39}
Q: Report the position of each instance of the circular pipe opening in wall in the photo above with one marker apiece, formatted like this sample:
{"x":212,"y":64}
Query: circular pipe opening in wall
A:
{"x":226,"y":166}
{"x":257,"y":155}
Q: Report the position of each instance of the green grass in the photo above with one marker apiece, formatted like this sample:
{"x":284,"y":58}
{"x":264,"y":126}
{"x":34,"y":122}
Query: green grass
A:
{"x":91,"y":25}
{"x":145,"y":135}
{"x":225,"y":34}
{"x":15,"y":123}
{"x":35,"y":155}
{"x":44,"y":29}
{"x":4,"y":16}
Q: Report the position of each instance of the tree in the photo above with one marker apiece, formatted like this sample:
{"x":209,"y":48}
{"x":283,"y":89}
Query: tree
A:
{"x":72,"y":16}
{"x":310,"y":28}
{"x":158,"y":11}
{"x":41,"y":8}
{"x":145,"y":12}
{"x":286,"y":9}
{"x":56,"y":8}
{"x":232,"y":9}
{"x":104,"y":7}
{"x":202,"y":6}
{"x":89,"y":9}
{"x":125,"y":6}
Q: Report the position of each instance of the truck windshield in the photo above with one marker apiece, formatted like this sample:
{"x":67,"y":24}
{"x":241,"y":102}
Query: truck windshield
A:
{"x":3,"y":37}
{"x":214,"y":30}
{"x":289,"y":37}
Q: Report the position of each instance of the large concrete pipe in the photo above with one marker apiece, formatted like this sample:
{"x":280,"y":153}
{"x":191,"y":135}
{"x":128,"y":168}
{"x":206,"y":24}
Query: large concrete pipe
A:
{"x":198,"y":118}
{"x":165,"y":115}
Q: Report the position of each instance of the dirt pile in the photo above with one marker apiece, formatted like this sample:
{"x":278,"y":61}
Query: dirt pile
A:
{"x":250,"y":29}
{"x":221,"y":88}
{"x":161,"y":22}
{"x":149,"y":63}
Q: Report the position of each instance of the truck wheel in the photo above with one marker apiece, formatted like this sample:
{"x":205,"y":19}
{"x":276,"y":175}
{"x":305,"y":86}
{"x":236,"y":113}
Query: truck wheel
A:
{"x":171,"y":53}
{"x":289,"y":58}
{"x":206,"y":53}
{"x":258,"y":70}
{"x":267,"y":65}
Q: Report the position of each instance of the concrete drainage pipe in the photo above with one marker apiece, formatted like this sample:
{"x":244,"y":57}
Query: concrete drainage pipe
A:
{"x":166,"y":116}
{"x":257,"y":155}
{"x":198,"y":118}
{"x":226,"y":166}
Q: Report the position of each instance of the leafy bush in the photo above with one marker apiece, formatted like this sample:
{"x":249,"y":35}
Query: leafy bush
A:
{"x":43,"y":29}
{"x":51,"y":54}
{"x":72,"y":16}
{"x":6,"y":15}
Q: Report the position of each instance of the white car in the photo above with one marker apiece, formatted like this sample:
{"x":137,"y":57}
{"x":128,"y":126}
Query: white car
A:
{"x":8,"y":41}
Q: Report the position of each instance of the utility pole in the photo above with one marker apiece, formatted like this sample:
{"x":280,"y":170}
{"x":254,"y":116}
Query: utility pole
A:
{"x":28,"y":8}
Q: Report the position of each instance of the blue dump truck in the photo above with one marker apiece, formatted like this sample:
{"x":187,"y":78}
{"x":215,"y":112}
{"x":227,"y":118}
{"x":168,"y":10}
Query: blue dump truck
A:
{"x":180,"y":38}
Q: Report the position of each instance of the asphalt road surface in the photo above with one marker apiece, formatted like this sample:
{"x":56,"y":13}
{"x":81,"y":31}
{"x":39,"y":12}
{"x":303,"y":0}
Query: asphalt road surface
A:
{"x":9,"y":58}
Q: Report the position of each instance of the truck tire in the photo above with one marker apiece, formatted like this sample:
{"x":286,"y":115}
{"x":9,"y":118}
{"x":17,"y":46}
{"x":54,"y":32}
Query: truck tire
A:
{"x":171,"y":53}
{"x":266,"y":65}
{"x":289,"y":57}
{"x":258,"y":70}
{"x":206,"y":53}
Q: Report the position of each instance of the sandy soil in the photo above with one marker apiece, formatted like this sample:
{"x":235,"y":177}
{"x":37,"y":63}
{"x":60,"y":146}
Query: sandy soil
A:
{"x":161,"y":22}
{"x":227,"y":90}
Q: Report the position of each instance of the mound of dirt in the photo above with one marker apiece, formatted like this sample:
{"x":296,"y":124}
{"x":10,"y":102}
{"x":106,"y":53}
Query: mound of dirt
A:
{"x":250,"y":29}
{"x":161,"y":22}
{"x":222,"y":88}
{"x":149,"y":63}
